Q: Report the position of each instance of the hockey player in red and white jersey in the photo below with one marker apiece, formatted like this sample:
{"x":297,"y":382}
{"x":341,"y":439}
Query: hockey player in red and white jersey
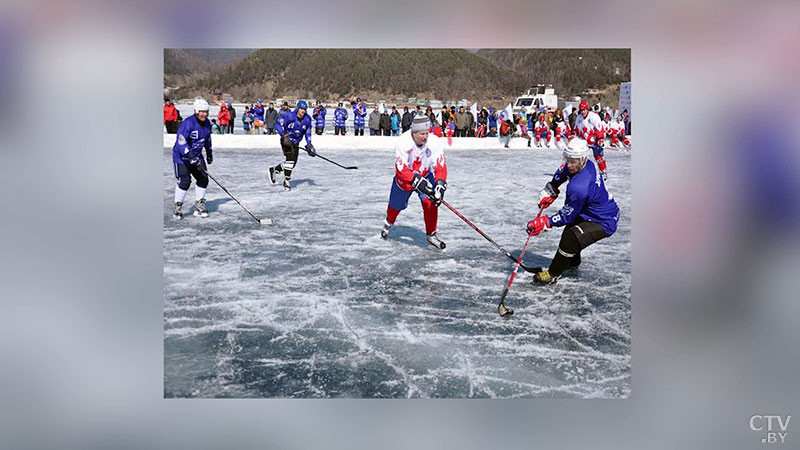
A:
{"x":419,"y":166}
{"x":541,"y":129}
{"x":617,"y":132}
{"x":562,"y":132}
{"x":589,"y":127}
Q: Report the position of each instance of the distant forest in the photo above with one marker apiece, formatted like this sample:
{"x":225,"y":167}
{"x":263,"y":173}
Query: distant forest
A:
{"x":484,"y":75}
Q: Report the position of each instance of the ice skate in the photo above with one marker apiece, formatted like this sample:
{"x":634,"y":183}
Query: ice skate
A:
{"x":287,"y":186}
{"x":200,"y":208}
{"x":434,"y":240}
{"x":177,"y":213}
{"x":272,"y":175}
{"x":385,"y":230}
{"x":543,"y":277}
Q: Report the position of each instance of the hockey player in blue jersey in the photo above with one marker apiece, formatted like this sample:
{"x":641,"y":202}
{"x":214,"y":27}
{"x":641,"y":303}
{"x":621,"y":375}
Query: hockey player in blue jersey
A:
{"x":359,"y":113}
{"x":194,"y":135}
{"x":292,"y":127}
{"x":319,"y":117}
{"x":589,"y":213}
{"x":340,"y":116}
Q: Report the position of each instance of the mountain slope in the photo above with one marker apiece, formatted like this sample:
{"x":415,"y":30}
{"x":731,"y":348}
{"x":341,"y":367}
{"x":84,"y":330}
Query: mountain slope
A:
{"x":570,"y":71}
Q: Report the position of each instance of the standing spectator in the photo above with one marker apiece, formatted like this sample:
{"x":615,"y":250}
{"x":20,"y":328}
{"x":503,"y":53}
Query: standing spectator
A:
{"x":170,"y":116}
{"x":340,"y":117}
{"x":270,"y":118}
{"x":462,"y":120}
{"x":571,"y":118}
{"x":395,"y":118}
{"x":284,"y":109}
{"x":247,"y":119}
{"x":232,"y":111}
{"x":375,"y":122}
{"x":627,"y":120}
{"x":214,"y":127}
{"x":505,"y":132}
{"x":450,"y":128}
{"x":386,"y":123}
{"x":407,"y":118}
{"x":523,"y":126}
{"x":445,"y":115}
{"x":258,"y":118}
{"x":319,"y":117}
{"x":419,"y":110}
{"x":359,"y":112}
{"x":470,"y":124}
{"x":224,"y":117}
{"x":483,"y":118}
{"x":429,"y":113}
{"x":492,"y":122}
{"x":433,"y":127}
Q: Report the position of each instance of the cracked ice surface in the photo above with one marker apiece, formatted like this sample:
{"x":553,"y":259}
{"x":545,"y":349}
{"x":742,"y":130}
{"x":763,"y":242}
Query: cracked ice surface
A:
{"x":317,"y":305}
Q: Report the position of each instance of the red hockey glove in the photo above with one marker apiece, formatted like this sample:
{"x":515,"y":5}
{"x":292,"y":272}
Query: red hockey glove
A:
{"x":547,"y":196}
{"x":538,"y":225}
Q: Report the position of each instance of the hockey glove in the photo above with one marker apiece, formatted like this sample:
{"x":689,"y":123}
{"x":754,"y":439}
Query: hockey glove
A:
{"x":421,"y":184}
{"x":209,"y":157}
{"x":194,"y":161}
{"x":311,"y":151}
{"x":537,"y":225}
{"x":286,"y":140}
{"x":438,"y":191}
{"x":547,"y":196}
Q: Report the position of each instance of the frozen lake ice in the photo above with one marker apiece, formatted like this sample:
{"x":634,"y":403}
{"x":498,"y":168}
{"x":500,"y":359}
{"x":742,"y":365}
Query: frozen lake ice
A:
{"x":317,"y":305}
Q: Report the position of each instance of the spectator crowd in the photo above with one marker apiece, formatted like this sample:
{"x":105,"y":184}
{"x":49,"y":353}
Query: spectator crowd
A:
{"x":540,"y":126}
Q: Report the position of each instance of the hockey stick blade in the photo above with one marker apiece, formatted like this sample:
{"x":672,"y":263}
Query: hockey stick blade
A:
{"x":505,"y":312}
{"x":265,"y":221}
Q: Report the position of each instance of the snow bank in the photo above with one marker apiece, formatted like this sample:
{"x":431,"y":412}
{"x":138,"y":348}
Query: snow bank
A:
{"x":324,"y":142}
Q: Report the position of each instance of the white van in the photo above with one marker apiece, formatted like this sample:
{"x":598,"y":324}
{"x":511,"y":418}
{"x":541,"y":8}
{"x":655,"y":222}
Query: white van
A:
{"x":540,"y":96}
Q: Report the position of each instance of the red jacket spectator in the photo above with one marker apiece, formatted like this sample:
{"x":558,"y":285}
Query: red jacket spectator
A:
{"x":224,"y":116}
{"x":505,"y":128}
{"x":170,"y":112}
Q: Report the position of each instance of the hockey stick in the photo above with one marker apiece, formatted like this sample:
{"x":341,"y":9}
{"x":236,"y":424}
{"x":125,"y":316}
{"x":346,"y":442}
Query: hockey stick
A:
{"x":261,"y":221}
{"x":474,"y":227}
{"x":501,"y":308}
{"x":332,"y":162}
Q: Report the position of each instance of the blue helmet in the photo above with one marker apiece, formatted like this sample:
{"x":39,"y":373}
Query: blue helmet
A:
{"x":302,"y":105}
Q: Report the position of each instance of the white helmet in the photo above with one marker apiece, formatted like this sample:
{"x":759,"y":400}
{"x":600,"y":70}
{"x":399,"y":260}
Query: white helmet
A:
{"x":577,"y":149}
{"x":200,"y":105}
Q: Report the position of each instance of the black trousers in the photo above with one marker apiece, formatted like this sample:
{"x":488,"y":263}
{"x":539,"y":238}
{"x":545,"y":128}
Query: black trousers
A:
{"x":172,"y":126}
{"x":184,"y":172}
{"x":320,"y":130}
{"x":290,"y":152}
{"x":339,"y":130}
{"x":576,"y":237}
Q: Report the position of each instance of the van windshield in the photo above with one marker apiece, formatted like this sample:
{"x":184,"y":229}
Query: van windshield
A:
{"x":524,"y":102}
